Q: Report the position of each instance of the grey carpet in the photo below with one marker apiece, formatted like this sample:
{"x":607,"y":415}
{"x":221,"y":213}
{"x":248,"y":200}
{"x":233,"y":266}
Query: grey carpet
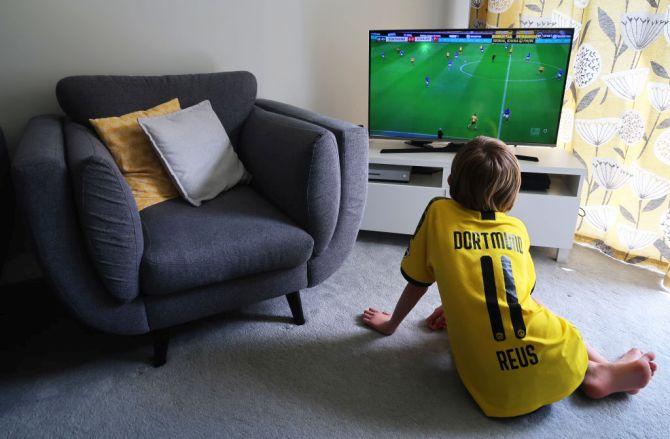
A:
{"x":254,"y":374}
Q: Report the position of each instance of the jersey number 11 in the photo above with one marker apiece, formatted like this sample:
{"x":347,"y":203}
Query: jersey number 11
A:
{"x":491,"y":294}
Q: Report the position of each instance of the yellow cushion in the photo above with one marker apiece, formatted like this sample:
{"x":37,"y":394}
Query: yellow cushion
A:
{"x":136,"y":158}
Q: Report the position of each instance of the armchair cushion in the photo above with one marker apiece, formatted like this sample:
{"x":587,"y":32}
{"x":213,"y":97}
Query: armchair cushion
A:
{"x":107,"y":213}
{"x":295,"y":166}
{"x":234,"y":235}
{"x":134,"y":155}
{"x":196,"y":151}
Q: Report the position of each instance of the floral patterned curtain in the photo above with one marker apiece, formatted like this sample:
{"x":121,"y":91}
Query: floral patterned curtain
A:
{"x":615,"y":116}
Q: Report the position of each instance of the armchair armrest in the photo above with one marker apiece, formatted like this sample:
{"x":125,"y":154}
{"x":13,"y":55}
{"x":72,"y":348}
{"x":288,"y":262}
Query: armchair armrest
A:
{"x":44,"y":196}
{"x":352,"y":145}
{"x":294,"y":164}
{"x":7,"y":200}
{"x":108,"y":215}
{"x":4,"y":158}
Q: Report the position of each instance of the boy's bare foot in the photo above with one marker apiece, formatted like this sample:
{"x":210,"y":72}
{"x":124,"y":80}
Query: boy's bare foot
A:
{"x":604,"y":379}
{"x":379,"y":321}
{"x":635,"y":353}
{"x":631,"y":355}
{"x":436,"y":320}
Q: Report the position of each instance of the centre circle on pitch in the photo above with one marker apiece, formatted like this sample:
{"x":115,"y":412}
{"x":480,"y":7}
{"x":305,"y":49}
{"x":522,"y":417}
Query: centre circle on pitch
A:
{"x":529,"y":75}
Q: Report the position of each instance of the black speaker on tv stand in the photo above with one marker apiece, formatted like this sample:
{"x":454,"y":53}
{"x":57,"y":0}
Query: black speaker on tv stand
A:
{"x":531,"y":181}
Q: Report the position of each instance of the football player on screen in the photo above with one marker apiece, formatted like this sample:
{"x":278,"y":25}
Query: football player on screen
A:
{"x":473,"y":121}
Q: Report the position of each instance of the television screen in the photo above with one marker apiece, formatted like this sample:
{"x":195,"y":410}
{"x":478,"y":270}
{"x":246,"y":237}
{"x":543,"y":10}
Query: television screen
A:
{"x":458,"y":84}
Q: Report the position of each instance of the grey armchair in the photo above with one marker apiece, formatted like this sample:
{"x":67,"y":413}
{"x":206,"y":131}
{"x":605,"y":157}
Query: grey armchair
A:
{"x":7,"y":202}
{"x":290,"y":229}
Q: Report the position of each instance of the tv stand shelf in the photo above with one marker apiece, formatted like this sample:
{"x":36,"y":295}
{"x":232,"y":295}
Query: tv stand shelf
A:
{"x":550,"y":215}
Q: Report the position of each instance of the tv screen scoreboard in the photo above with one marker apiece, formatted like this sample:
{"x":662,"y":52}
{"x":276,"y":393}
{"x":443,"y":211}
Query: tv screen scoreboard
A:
{"x":510,"y":36}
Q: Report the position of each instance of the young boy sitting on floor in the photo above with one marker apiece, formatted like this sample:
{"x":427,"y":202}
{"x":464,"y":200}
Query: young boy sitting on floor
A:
{"x":511,"y":352}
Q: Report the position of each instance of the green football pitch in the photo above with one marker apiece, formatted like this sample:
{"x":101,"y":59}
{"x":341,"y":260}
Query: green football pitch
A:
{"x":402,"y":105}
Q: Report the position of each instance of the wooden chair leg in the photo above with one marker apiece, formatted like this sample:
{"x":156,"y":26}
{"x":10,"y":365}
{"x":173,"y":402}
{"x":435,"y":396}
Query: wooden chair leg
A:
{"x":161,"y":341}
{"x":295,"y":304}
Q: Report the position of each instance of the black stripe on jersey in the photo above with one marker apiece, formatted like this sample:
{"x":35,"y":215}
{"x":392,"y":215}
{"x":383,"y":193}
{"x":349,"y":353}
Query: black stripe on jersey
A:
{"x":491,"y":294}
{"x":512,"y":299}
{"x":412,"y":281}
{"x":488,"y":215}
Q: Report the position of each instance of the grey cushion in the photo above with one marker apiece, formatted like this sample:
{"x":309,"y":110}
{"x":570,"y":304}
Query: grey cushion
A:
{"x":295,"y":166}
{"x":232,"y":95}
{"x":234,"y":235}
{"x":107,"y":213}
{"x":196,"y":151}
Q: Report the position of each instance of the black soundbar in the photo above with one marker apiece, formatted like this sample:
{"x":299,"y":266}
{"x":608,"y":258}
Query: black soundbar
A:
{"x":451,"y":147}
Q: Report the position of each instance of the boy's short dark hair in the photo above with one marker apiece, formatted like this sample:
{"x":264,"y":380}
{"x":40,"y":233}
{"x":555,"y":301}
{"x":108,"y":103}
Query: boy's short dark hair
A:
{"x":485,"y":175}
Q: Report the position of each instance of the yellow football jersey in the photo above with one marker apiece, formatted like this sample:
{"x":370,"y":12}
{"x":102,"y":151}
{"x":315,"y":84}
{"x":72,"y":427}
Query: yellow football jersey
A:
{"x":512,"y":354}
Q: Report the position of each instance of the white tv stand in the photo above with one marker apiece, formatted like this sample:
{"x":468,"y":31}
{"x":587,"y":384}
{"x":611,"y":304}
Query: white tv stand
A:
{"x":550,"y":216}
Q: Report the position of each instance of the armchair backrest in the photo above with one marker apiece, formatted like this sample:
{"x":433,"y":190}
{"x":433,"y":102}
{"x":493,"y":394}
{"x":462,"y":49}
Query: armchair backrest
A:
{"x":232,"y":95}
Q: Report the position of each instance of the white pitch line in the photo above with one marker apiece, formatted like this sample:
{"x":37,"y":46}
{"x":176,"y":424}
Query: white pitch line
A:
{"x":502,"y":105}
{"x":544,"y":78}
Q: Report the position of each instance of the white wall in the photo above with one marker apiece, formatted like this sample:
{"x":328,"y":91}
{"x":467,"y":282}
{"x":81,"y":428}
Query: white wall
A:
{"x":311,"y":53}
{"x":457,"y":14}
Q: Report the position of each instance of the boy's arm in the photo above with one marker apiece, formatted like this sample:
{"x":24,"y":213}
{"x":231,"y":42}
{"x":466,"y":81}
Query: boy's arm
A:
{"x":407,"y":301}
{"x":416,"y":269}
{"x":387,"y":323}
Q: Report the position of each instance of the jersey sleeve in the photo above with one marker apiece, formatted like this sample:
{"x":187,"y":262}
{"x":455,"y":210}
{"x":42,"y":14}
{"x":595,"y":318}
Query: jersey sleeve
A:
{"x":415,"y":266}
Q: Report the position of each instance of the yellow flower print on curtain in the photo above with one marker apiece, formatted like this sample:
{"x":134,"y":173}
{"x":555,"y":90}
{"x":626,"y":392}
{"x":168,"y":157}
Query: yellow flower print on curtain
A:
{"x":615,"y":118}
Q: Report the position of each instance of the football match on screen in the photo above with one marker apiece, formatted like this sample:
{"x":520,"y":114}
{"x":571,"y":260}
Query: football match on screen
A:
{"x":507,"y":84}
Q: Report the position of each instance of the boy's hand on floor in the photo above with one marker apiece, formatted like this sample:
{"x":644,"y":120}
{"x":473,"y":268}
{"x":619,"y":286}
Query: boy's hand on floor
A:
{"x":379,"y":321}
{"x":436,"y":321}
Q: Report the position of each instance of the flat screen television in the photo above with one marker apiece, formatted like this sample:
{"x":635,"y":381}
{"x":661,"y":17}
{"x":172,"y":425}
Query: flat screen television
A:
{"x":457,"y":84}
